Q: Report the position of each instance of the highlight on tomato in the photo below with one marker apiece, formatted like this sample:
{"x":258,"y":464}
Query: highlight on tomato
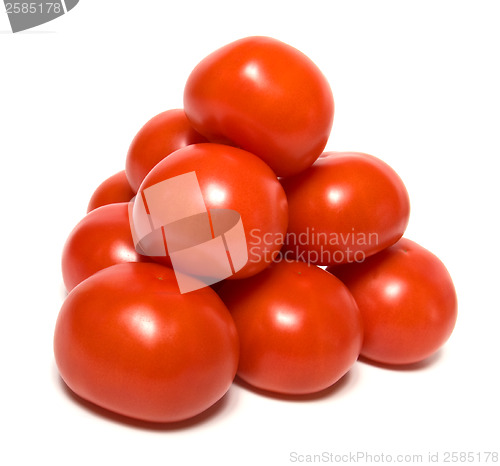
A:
{"x":100,"y":239}
{"x":234,"y":179}
{"x":299,"y":327}
{"x":127,"y":340}
{"x":344,"y":208}
{"x":264,"y":96}
{"x":407,"y":301}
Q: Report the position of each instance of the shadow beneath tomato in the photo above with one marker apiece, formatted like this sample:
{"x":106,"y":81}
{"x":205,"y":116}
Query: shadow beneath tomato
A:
{"x":416,"y":366}
{"x":340,"y":386}
{"x":103,"y":413}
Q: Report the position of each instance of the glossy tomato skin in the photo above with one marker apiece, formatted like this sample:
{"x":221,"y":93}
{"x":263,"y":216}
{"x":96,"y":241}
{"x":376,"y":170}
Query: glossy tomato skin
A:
{"x":101,"y":239}
{"x":345,"y":207}
{"x":299,"y":328}
{"x":263,"y":96}
{"x":159,"y":137}
{"x":407,"y":301}
{"x":112,"y":190}
{"x":231,"y":178}
{"x":128,"y":341}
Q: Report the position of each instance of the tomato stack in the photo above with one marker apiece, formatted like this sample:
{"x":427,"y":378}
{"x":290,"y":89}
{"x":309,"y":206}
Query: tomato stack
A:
{"x":300,"y":262}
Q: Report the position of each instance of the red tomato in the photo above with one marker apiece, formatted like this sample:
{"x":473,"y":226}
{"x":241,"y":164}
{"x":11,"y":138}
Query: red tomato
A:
{"x":235,"y":179}
{"x":265,"y":97}
{"x":160,"y":136}
{"x":102,"y":238}
{"x":128,"y":341}
{"x":345,"y":207}
{"x":114,"y":189}
{"x":299,"y":330}
{"x":407,"y":301}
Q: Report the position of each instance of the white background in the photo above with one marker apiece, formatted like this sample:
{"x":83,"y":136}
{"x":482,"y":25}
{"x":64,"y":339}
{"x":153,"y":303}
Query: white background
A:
{"x":415,"y":83}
